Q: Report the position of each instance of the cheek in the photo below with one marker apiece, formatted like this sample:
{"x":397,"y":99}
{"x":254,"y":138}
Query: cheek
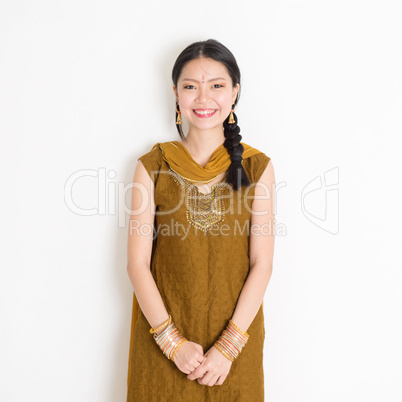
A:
{"x":185,"y":99}
{"x":225,"y":101}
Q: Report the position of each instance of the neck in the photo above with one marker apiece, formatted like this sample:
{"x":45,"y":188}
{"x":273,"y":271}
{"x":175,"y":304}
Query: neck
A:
{"x":201,"y":143}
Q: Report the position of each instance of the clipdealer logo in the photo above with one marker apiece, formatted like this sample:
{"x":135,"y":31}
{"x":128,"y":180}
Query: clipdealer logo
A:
{"x":174,"y":228}
{"x":319,"y":201}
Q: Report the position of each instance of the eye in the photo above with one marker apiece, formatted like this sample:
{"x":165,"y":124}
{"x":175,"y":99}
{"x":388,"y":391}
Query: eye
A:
{"x":187,"y":86}
{"x":218,"y":85}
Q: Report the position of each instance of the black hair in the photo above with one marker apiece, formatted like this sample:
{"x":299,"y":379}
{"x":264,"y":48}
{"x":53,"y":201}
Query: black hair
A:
{"x":215,"y":50}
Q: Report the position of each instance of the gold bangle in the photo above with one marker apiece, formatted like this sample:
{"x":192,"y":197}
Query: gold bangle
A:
{"x":243,"y":333}
{"x":153,"y":331}
{"x":177,"y":348}
{"x":224,"y":352}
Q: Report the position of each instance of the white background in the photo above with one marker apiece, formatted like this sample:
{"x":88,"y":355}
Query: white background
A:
{"x":86,"y":85}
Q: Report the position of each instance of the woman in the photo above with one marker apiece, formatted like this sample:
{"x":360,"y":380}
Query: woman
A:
{"x":200,"y":246}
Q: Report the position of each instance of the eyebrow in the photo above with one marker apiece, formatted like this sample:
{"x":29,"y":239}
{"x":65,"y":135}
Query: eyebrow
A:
{"x":213,"y":79}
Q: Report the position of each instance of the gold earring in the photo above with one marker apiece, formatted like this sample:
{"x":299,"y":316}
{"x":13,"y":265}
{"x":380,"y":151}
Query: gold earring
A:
{"x":231,"y":118}
{"x":178,"y":121}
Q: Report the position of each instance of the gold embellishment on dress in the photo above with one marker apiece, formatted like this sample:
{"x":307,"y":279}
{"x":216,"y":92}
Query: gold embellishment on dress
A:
{"x":203,"y":211}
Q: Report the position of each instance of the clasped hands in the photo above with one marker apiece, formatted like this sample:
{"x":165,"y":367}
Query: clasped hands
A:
{"x":209,"y":369}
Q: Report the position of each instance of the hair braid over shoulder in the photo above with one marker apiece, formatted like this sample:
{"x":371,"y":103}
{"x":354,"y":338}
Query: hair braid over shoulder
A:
{"x":237,"y":176}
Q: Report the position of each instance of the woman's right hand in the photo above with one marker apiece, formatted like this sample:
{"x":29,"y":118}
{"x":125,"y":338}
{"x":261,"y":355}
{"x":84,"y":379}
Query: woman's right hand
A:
{"x":188,"y":357}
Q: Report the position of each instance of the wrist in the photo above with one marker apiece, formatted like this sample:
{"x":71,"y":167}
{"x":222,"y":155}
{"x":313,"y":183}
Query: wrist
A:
{"x":178,"y":347}
{"x":161,"y":327}
{"x":232,"y":341}
{"x":223,"y":352}
{"x":168,"y":338}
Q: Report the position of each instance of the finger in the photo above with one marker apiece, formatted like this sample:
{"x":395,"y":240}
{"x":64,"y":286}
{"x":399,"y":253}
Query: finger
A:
{"x":206,"y":378}
{"x":197,"y":364}
{"x":197,"y":373}
{"x":213,"y":380}
{"x":220,"y":380}
{"x":194,"y":362}
{"x":192,"y":375}
{"x":192,"y":369}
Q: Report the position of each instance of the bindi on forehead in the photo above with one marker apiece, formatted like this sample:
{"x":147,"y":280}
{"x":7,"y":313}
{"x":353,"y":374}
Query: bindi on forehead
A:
{"x":203,"y":79}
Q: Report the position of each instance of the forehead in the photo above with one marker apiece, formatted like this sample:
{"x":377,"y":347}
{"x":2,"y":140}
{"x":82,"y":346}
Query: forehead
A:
{"x":204,"y":66}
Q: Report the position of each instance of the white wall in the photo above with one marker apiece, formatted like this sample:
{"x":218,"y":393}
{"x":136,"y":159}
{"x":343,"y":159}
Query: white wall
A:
{"x":85,"y":85}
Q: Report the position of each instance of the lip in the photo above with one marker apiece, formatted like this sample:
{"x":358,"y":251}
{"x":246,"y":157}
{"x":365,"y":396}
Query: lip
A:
{"x":205,"y":116}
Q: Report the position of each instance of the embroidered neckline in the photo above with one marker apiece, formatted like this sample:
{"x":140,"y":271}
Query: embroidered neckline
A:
{"x":203,"y":211}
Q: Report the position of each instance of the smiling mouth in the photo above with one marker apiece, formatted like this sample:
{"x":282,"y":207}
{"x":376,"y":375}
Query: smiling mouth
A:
{"x":203,"y":113}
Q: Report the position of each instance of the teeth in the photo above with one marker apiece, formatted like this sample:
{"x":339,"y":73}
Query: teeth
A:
{"x":204,"y":111}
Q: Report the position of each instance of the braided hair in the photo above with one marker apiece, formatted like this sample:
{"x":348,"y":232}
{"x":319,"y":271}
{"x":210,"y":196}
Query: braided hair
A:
{"x":215,"y":50}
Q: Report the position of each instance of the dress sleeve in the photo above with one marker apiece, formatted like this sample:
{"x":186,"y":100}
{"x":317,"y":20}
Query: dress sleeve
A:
{"x":258,"y":162}
{"x":152,"y":162}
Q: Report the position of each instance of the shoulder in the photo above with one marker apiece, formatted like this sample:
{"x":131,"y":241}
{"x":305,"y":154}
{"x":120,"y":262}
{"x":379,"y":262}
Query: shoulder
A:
{"x":153,"y":156}
{"x":152,"y":160}
{"x":154,"y":153}
{"x":256,"y":163}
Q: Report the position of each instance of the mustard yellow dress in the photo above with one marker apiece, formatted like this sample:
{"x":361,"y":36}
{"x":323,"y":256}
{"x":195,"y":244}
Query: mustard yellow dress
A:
{"x":200,"y":263}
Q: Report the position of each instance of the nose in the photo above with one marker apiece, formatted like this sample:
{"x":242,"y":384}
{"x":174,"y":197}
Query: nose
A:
{"x":203,"y":94}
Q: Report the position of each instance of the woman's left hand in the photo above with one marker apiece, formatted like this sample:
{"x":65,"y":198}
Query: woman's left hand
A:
{"x":213,"y":370}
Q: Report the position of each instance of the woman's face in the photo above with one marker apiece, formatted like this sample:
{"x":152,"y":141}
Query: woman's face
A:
{"x":205,"y":93}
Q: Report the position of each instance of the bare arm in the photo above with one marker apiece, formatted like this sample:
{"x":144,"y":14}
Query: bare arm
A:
{"x":140,"y":238}
{"x":139,"y":248}
{"x":262,"y":236}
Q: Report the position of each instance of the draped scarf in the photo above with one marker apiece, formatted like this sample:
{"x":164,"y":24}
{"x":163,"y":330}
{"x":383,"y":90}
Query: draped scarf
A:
{"x":181,"y":161}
